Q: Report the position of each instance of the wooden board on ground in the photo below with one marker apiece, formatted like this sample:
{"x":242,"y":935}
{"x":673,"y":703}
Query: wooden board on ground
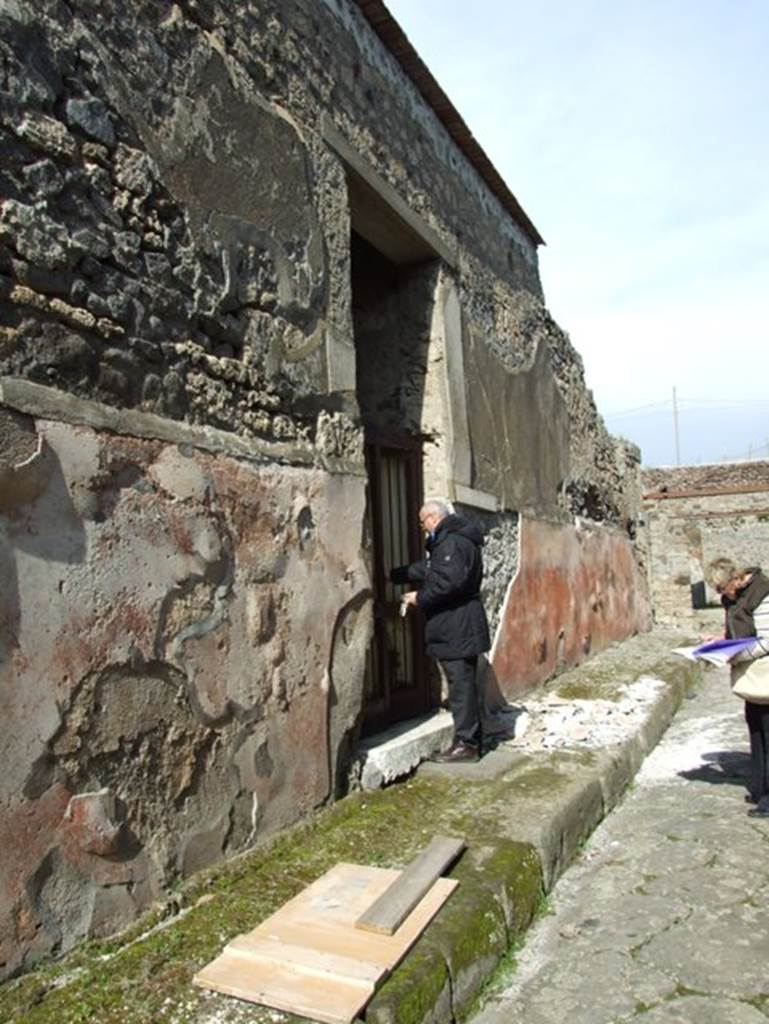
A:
{"x":392,"y":907}
{"x":308,"y":958}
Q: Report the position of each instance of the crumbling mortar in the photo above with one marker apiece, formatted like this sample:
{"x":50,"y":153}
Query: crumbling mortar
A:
{"x":74,"y":316}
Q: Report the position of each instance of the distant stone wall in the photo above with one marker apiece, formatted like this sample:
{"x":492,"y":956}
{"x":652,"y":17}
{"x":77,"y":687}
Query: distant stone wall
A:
{"x":695,"y":514}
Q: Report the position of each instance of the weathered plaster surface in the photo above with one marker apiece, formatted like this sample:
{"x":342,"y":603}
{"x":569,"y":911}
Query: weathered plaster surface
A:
{"x":577,"y":589}
{"x":521,"y":452}
{"x":180,"y":622}
{"x":186,"y":364}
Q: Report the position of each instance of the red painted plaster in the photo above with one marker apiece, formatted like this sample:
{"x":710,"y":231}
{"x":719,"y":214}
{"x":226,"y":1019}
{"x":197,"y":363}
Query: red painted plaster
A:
{"x":576,"y":591}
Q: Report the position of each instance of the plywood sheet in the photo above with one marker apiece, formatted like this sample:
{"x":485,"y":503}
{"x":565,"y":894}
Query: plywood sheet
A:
{"x":308,"y":958}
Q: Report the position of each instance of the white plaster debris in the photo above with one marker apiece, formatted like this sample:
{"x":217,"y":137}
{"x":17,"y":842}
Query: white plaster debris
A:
{"x":233,"y":1012}
{"x":553,"y":722}
{"x":546,"y":721}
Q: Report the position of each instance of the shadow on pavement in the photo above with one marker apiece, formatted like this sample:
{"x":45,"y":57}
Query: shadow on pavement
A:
{"x":722,"y":767}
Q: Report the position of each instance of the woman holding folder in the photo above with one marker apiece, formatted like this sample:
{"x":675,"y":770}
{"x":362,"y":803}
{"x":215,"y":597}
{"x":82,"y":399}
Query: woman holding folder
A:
{"x":745,"y":597}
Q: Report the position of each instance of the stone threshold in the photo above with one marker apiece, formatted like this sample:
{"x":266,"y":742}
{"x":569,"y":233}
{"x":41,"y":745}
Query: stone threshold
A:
{"x":397,"y":751}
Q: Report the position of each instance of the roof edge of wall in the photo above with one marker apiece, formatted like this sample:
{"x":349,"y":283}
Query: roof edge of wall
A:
{"x":396,"y":41}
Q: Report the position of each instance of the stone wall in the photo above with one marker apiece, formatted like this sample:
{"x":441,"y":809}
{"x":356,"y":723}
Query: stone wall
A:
{"x":147,"y":259}
{"x":185,"y":371}
{"x":577,"y":590}
{"x":695,"y":514}
{"x":153,"y":597}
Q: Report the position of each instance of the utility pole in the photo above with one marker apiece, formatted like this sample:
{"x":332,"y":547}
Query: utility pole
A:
{"x":675,"y":429}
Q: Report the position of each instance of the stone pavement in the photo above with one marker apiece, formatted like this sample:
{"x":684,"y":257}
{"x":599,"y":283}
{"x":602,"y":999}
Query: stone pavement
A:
{"x":664,"y":918}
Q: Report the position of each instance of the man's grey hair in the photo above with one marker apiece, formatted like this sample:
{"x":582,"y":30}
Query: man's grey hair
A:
{"x":437,"y":506}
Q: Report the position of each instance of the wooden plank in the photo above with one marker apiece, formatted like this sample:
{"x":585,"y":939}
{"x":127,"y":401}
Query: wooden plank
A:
{"x":329,"y":969}
{"x":399,"y":899}
{"x":285,"y":987}
{"x":255,"y":946}
{"x":346,"y":940}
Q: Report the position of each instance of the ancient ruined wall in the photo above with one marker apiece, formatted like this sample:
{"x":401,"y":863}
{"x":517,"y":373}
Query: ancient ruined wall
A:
{"x":695,"y":514}
{"x":185,"y":591}
{"x":539,"y":446}
{"x":148,"y":259}
{"x":178,"y":625}
{"x":544,"y":447}
{"x":577,"y":590}
{"x":500,"y":557}
{"x":391,"y":318}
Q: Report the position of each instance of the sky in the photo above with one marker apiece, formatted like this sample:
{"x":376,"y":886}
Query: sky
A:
{"x":635,"y":134}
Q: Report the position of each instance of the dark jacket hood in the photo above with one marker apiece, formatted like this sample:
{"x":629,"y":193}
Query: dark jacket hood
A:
{"x":457,"y":524}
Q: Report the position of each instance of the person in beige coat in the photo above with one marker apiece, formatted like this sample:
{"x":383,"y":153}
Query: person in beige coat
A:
{"x":745,"y":597}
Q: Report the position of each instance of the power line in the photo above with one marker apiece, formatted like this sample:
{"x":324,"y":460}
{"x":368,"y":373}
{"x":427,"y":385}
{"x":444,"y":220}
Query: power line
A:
{"x":717,"y":401}
{"x":689,"y":406}
{"x":640,"y":408}
{"x":753,"y":452}
{"x":675,"y":429}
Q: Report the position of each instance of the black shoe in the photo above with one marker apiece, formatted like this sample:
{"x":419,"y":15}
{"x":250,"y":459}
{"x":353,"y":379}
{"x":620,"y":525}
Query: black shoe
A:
{"x":761,"y":810}
{"x":458,"y":753}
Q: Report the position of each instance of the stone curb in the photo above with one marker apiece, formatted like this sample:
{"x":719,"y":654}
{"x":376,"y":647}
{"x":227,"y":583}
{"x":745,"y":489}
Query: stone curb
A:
{"x":503,"y":878}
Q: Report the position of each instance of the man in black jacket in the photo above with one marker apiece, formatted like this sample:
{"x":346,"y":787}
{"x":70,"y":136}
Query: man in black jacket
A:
{"x":456,"y":632}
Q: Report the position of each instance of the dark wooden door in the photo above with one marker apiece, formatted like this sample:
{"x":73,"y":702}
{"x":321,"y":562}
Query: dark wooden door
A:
{"x":397,"y":678}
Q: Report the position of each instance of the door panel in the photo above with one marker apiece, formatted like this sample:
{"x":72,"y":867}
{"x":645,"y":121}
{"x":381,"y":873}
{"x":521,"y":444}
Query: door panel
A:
{"x":396,"y":678}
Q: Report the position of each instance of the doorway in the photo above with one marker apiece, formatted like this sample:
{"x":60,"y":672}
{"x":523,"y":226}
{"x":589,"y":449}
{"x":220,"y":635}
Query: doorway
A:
{"x":397,"y":672}
{"x":392,"y":309}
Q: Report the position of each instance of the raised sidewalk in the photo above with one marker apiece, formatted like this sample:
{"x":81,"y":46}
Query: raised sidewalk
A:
{"x":524,"y":811}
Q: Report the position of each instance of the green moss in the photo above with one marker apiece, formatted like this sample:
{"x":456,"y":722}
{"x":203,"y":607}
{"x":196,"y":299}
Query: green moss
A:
{"x":540,"y":781}
{"x":682,"y":990}
{"x":146,"y":967}
{"x":508,"y":962}
{"x":589,"y":689}
{"x":413,"y":990}
{"x":471,"y":934}
{"x":512,"y":872}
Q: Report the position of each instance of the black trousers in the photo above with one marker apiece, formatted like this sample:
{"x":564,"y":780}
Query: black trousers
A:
{"x":461,"y":674}
{"x":757,"y":717}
